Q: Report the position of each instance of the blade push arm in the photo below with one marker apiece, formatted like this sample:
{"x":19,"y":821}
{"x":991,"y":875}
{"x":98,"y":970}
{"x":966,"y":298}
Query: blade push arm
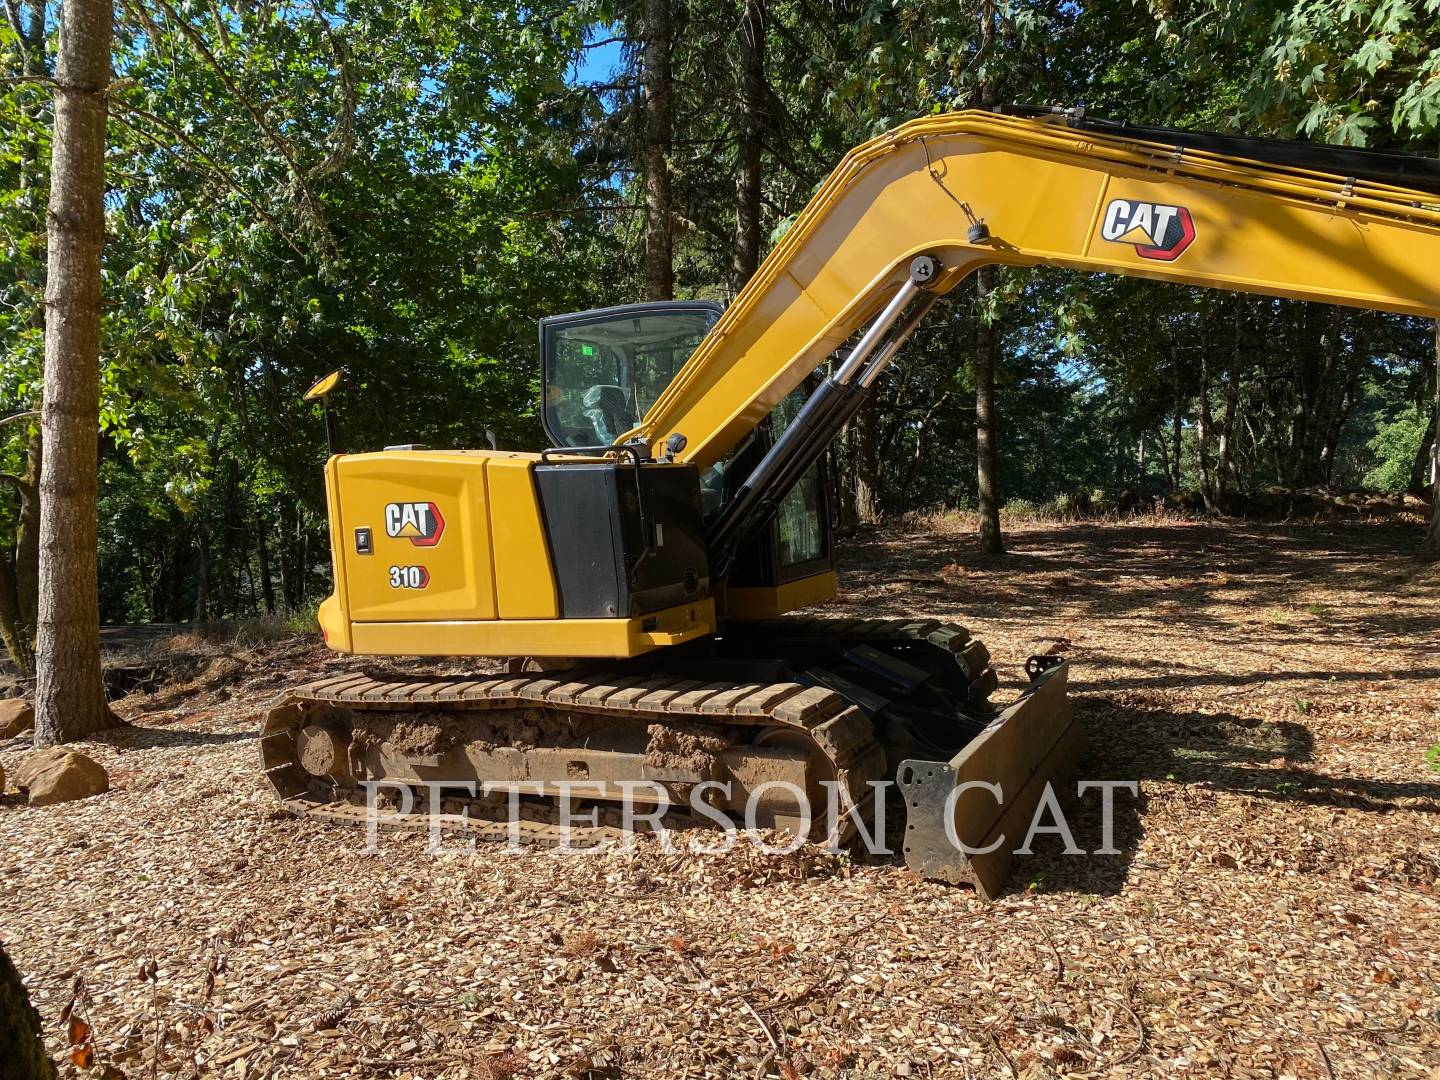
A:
{"x":1050,"y":195}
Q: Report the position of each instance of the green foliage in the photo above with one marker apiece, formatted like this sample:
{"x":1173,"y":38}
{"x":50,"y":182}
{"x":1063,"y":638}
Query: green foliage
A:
{"x":1395,"y":445}
{"x":1342,"y":71}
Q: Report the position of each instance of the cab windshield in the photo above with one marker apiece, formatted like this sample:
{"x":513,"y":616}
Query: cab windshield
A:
{"x":603,"y":373}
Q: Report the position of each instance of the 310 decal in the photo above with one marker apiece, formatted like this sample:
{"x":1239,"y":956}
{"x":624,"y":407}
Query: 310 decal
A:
{"x":1156,"y":230}
{"x":409,"y":577}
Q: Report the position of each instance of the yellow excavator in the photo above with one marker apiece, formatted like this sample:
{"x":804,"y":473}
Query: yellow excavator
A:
{"x":638,"y":573}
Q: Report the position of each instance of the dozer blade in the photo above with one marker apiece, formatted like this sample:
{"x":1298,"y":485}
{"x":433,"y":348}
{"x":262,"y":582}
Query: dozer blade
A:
{"x":958,"y":830}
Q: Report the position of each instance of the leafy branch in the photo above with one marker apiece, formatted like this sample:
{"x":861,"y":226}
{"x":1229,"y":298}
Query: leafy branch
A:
{"x":282,"y":146}
{"x":190,"y":144}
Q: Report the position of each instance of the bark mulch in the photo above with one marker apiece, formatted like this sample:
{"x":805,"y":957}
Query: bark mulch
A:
{"x":1272,"y":911}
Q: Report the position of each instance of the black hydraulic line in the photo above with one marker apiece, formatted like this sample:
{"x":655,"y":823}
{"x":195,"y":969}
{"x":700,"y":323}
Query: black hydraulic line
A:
{"x":824,"y":414}
{"x":856,"y":393}
{"x":1381,"y":166}
{"x":737,"y":519}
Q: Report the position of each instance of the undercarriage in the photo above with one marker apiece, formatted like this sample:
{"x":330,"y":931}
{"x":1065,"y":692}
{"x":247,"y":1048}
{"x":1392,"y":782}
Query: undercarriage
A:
{"x":788,"y":725}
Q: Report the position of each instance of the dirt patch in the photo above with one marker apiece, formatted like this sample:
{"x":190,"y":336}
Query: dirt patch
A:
{"x":421,"y":732}
{"x":686,"y":747}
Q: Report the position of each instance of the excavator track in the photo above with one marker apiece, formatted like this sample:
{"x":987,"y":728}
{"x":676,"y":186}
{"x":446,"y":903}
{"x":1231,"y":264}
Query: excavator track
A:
{"x":315,"y":784}
{"x":320,"y":743}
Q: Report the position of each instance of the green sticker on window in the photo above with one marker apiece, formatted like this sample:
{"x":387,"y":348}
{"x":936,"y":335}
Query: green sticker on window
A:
{"x":587,"y":350}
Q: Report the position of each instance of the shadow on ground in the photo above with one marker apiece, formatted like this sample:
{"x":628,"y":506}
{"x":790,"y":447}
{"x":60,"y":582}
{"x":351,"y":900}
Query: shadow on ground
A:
{"x":1154,"y":574}
{"x":138,"y":737}
{"x":1206,"y":752}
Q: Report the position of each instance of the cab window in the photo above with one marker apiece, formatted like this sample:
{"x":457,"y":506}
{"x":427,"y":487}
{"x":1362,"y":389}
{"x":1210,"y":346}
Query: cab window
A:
{"x":798,"y":519}
{"x":604,"y":369}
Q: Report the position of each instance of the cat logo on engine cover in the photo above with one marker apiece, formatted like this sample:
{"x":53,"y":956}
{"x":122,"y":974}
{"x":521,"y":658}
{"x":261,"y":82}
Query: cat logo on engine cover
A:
{"x":1156,"y":230}
{"x":419,"y":522}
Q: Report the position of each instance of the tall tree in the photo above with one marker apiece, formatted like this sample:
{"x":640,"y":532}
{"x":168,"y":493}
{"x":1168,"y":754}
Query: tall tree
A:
{"x":659,"y":131}
{"x":1430,"y":546}
{"x":751,"y":104}
{"x":986,"y":350}
{"x":987,"y":341}
{"x":69,"y":693}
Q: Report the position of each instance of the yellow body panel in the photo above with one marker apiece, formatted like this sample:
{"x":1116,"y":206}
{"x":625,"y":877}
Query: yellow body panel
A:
{"x":524,"y":579}
{"x":333,"y":619}
{"x":766,"y":602}
{"x":397,"y":495}
{"x":1044,"y":192}
{"x":616,"y":638}
{"x":487,"y":587}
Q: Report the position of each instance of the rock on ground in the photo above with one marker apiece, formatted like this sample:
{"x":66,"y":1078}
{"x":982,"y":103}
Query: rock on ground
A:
{"x":16,"y":716}
{"x":58,"y":775}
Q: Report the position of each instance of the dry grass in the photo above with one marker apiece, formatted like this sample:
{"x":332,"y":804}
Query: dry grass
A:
{"x":1273,"y":911}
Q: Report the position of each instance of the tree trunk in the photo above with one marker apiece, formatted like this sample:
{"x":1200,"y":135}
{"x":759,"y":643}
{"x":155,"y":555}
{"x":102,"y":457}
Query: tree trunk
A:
{"x":1163,"y":449}
{"x":69,"y":691}
{"x":1421,"y":473}
{"x":17,"y":642}
{"x":986,"y":347}
{"x":1430,"y":547}
{"x":659,"y":259}
{"x":201,"y":613}
{"x":19,"y":577}
{"x":1420,"y":466}
{"x":1330,"y":448}
{"x":267,"y":583}
{"x":27,"y":536}
{"x":1177,"y":432}
{"x":229,"y":560}
{"x":748,"y":127}
{"x":302,"y":544}
{"x":1224,"y":458}
{"x":289,"y":554}
{"x":867,"y":466}
{"x":21,"y":1048}
{"x":1207,"y":480}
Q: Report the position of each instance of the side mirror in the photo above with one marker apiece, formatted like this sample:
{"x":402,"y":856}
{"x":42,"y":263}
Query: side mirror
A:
{"x":320,"y":391}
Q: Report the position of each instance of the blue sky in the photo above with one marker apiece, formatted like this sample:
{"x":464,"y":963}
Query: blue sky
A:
{"x":596,"y":65}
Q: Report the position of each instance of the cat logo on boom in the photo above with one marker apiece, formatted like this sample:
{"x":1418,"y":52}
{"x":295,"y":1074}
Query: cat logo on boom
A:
{"x":1158,"y":231}
{"x":419,"y":522}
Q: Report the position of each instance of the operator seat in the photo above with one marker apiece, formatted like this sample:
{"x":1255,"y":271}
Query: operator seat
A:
{"x":607,"y":407}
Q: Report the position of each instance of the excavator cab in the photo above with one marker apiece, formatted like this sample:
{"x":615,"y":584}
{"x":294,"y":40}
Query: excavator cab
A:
{"x":603,"y":369}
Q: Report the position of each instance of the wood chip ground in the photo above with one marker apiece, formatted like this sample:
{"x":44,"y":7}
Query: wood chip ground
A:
{"x":1273,"y":911}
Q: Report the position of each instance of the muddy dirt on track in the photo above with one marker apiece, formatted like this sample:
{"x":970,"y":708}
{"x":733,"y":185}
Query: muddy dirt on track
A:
{"x":1272,"y":909}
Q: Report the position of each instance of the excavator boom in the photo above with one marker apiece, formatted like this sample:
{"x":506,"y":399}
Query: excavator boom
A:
{"x":978,"y":188}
